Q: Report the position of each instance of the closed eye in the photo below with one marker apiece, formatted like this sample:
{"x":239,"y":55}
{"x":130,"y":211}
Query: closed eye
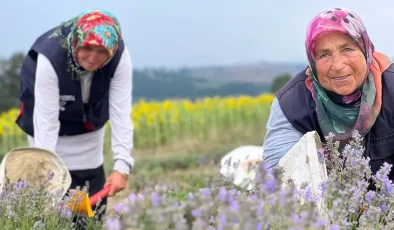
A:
{"x":87,"y":48}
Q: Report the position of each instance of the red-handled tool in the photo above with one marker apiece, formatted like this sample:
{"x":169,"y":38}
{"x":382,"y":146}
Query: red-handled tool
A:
{"x":99,"y":195}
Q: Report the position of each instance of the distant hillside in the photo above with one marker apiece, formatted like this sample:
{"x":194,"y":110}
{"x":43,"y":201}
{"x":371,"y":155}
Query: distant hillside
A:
{"x":249,"y":79}
{"x":163,"y":84}
{"x":263,"y":72}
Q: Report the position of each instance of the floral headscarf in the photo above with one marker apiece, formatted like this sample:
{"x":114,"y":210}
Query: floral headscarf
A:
{"x":341,"y":115}
{"x":92,"y":27}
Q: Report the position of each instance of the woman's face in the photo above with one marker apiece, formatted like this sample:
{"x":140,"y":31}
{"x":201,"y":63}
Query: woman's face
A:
{"x":92,"y":57}
{"x":340,"y":63}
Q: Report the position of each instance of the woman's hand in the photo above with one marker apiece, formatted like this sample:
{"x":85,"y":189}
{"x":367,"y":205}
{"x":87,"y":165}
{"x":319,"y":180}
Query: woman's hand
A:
{"x":118,"y":182}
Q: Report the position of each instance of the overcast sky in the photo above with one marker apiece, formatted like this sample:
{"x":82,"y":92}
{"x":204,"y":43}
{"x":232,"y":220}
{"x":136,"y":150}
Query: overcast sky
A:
{"x":176,"y":33}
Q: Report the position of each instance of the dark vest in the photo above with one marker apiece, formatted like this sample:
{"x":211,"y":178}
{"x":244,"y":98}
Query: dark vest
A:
{"x":298,"y":106}
{"x":75,"y":116}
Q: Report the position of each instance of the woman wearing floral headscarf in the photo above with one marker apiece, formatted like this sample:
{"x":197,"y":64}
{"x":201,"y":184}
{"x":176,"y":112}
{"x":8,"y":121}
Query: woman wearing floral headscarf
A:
{"x":74,"y":79}
{"x":347,"y":86}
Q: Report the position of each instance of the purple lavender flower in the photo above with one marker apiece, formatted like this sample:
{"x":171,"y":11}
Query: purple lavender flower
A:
{"x":382,"y":178}
{"x":384,"y":208}
{"x":140,"y":197}
{"x":260,"y":210}
{"x":233,"y":192}
{"x":296,"y":218}
{"x":299,"y":219}
{"x":132,"y":198}
{"x":308,"y":195}
{"x":282,"y":196}
{"x":196,"y":212}
{"x":382,"y":174}
{"x":264,"y":166}
{"x":222,"y":221}
{"x":65,"y":212}
{"x":259,"y":226}
{"x":358,"y":195}
{"x":223,"y":194}
{"x":19,"y":185}
{"x":118,"y":207}
{"x":112,"y":224}
{"x":323,"y":186}
{"x":269,"y":185}
{"x":205,"y":192}
{"x":320,"y":223}
{"x":388,"y":186}
{"x":155,"y":199}
{"x":334,"y":227}
{"x":234,"y":206}
{"x":362,"y":185}
{"x":320,"y":155}
{"x":252,"y":197}
{"x":369,"y":196}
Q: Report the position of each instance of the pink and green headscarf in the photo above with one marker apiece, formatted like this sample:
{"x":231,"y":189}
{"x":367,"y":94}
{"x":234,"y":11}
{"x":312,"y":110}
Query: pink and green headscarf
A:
{"x":341,"y":115}
{"x":92,"y":27}
{"x":338,"y":20}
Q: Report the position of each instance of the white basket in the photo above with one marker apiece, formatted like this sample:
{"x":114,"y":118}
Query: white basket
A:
{"x":34,"y":166}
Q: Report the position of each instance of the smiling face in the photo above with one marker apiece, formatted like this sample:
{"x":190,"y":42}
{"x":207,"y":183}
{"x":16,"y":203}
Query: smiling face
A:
{"x":340,"y":63}
{"x":92,"y":57}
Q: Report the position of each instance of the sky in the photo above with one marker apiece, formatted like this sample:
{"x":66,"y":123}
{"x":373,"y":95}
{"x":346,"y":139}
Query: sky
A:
{"x":181,"y":33}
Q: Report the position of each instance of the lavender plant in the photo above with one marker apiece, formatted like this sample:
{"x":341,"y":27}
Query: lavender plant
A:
{"x":27,"y":207}
{"x":352,"y":198}
{"x":22,"y":207}
{"x":347,"y":198}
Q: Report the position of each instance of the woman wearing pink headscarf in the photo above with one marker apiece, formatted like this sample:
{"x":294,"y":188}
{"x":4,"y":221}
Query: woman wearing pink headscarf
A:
{"x":347,"y":86}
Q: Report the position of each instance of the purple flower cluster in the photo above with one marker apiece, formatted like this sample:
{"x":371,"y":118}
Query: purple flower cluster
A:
{"x":347,"y":202}
{"x":27,"y":206}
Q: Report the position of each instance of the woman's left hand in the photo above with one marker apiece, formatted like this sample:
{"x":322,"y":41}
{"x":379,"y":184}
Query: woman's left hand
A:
{"x":118,"y":182}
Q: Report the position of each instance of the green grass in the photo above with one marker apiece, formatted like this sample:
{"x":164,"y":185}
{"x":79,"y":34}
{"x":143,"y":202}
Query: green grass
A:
{"x":187,"y":166}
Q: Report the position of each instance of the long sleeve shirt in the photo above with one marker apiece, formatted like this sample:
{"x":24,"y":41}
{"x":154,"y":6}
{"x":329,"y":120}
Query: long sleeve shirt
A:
{"x":280,"y":137}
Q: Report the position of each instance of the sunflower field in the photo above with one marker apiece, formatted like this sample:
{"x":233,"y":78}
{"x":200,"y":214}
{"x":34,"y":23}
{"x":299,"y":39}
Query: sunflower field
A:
{"x":157,"y":123}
